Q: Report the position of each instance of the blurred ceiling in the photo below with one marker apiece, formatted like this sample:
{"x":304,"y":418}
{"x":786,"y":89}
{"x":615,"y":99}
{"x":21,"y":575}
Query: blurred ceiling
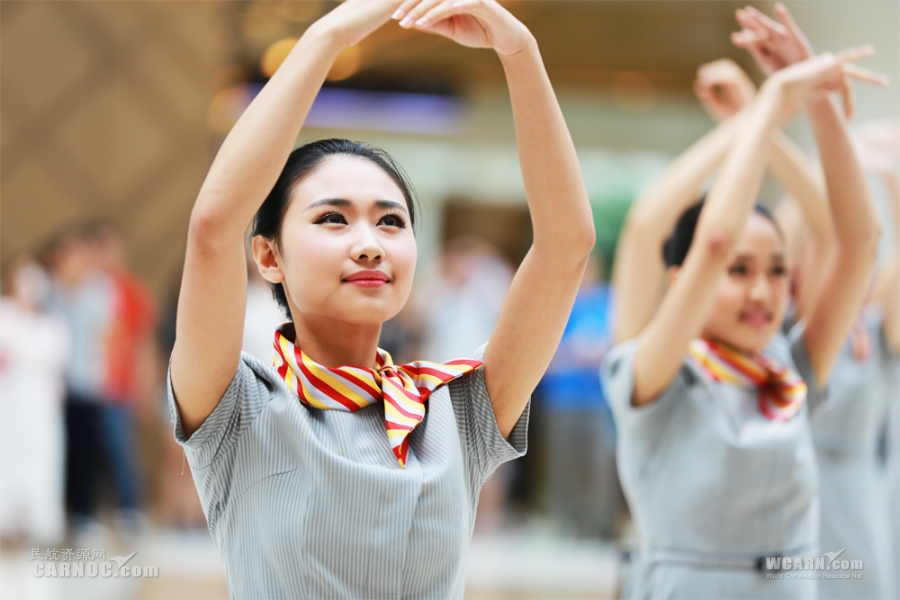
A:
{"x":584,"y":43}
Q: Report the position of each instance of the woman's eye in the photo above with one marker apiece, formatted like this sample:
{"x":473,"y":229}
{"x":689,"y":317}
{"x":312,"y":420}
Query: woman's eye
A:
{"x":392,"y":221}
{"x":331,"y":218}
{"x":737,"y":270}
{"x":779,"y":271}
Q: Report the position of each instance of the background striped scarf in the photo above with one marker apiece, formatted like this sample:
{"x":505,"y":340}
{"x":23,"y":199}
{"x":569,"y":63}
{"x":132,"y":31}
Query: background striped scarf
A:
{"x":781,"y":390}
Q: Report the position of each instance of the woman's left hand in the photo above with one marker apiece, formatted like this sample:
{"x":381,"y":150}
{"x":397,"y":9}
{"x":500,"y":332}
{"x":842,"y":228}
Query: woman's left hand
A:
{"x":472,"y":23}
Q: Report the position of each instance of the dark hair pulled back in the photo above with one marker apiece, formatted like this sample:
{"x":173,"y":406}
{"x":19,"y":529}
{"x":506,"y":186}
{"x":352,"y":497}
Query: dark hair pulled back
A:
{"x":676,"y":247}
{"x":302,"y":162}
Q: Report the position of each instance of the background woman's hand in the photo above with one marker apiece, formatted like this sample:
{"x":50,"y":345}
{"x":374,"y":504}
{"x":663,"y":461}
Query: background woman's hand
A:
{"x":817,"y":77}
{"x":774,"y":45}
{"x":723,"y":88}
{"x":472,"y":23}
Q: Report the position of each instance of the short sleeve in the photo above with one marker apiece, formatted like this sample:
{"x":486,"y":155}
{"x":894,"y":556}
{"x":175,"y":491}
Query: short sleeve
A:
{"x":617,"y":375}
{"x":816,"y":396}
{"x":247,"y":394}
{"x":486,"y":447}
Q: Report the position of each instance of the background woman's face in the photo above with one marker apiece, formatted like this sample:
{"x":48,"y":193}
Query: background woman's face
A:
{"x":347,"y":247}
{"x":752,"y":294}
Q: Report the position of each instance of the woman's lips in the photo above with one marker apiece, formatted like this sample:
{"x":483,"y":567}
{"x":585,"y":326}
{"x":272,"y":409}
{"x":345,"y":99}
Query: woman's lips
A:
{"x":756,"y":319}
{"x":368,"y":278}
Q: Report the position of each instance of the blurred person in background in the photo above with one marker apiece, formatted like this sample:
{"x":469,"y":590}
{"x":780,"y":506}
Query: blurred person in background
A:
{"x":460,"y":306}
{"x":855,"y":512}
{"x":133,"y":371}
{"x":105,"y":315}
{"x":724,"y":90}
{"x":458,"y":310}
{"x":34,"y":347}
{"x":866,"y":374}
{"x":711,"y":401}
{"x":581,"y":483}
{"x":337,"y":472}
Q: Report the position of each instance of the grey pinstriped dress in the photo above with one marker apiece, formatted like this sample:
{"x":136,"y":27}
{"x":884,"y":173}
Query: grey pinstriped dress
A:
{"x":712,"y":483}
{"x":855,"y":511}
{"x":307,"y":503}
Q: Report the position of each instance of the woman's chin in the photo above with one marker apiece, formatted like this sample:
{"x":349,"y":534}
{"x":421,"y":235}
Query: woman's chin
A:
{"x":749,"y":340}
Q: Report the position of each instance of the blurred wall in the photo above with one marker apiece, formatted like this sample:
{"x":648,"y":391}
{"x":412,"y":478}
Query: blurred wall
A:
{"x":105,"y":104}
{"x":103,"y":116}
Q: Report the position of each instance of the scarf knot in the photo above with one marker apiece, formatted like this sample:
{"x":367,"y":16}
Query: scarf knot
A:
{"x":403,"y":389}
{"x":781,"y":391}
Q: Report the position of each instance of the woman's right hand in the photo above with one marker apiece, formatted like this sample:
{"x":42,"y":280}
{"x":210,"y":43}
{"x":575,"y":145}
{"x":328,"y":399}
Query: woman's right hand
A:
{"x":815,"y":78}
{"x":353,"y":20}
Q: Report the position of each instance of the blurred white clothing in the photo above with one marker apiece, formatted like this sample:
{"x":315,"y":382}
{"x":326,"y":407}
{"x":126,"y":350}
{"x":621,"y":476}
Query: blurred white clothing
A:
{"x":33,"y":352}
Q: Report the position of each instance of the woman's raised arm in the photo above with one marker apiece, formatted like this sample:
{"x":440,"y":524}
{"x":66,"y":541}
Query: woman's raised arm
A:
{"x":214,"y":284}
{"x":639,"y":268}
{"x":775,"y":45}
{"x":685,"y":308}
{"x":540,"y":299}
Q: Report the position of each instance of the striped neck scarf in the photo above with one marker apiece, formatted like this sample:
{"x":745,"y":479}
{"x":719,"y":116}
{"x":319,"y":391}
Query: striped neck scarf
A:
{"x":403,"y":388}
{"x":781,"y":390}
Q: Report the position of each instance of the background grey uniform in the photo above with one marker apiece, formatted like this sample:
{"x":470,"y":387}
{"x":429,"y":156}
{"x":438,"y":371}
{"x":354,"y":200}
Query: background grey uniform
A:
{"x":712,"y":483}
{"x":312,"y":503}
{"x":854,"y":507}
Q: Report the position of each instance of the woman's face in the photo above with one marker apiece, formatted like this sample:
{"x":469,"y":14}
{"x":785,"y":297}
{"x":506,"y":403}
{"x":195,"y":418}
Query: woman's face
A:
{"x":751,"y":296}
{"x":347,"y":248}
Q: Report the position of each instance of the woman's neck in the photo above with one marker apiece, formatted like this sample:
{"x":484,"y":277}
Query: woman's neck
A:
{"x":334,"y":343}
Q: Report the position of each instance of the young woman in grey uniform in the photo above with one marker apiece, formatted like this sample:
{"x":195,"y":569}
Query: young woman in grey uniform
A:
{"x":714,"y":447}
{"x":855,"y":516}
{"x":332,"y":476}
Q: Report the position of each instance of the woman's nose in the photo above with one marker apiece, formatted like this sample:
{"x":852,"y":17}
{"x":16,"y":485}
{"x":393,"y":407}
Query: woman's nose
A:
{"x":760,"y":289}
{"x":367,"y":247}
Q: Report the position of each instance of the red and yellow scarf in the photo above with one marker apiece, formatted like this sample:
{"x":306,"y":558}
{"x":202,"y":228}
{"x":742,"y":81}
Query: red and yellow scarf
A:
{"x":403,"y":388}
{"x":781,"y":390}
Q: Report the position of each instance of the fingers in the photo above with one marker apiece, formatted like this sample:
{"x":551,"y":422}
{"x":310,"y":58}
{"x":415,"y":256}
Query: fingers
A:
{"x":788,"y":20}
{"x":449,"y":8}
{"x":400,"y":13}
{"x":866,"y":75}
{"x":757,"y":20}
{"x":857,"y":53}
{"x":749,"y":37}
{"x":415,"y":12}
{"x":847,"y":98}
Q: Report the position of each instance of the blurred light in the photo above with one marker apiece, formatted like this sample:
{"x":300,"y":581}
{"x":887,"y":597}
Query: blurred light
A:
{"x":275,"y":55}
{"x":633,"y":92}
{"x":346,"y":64}
{"x":386,"y":111}
{"x":336,"y":108}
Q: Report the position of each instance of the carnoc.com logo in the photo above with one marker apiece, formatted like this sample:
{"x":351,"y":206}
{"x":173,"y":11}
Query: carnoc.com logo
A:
{"x":827,"y":566}
{"x":86,"y":563}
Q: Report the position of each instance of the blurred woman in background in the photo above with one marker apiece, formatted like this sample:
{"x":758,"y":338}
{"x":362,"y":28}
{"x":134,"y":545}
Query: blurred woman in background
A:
{"x":711,"y":403}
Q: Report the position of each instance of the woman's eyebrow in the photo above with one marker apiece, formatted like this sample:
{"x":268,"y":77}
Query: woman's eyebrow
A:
{"x":389,"y":204}
{"x":338,"y":202}
{"x":342,"y":203}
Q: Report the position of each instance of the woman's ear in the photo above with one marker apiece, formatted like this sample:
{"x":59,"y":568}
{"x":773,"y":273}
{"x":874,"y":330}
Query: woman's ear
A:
{"x":672,"y":276}
{"x":266,"y":257}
